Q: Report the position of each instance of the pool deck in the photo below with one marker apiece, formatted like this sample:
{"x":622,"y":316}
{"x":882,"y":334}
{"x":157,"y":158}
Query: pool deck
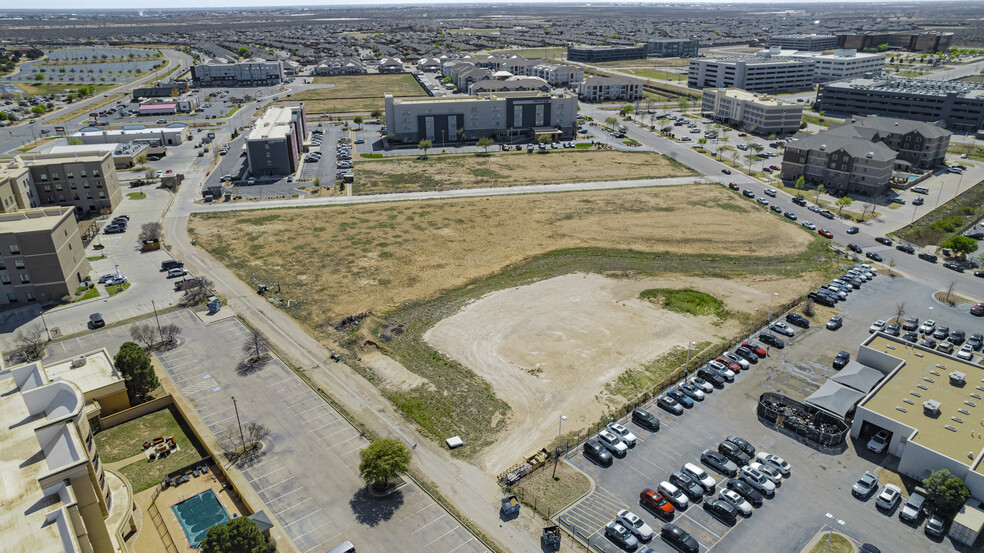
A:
{"x":150,"y":540}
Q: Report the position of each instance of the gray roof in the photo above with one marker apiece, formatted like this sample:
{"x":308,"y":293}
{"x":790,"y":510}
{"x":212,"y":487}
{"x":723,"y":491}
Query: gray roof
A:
{"x":858,"y":376}
{"x":601,"y":81}
{"x":856,"y":146}
{"x":835,"y":398}
{"x":895,"y":126}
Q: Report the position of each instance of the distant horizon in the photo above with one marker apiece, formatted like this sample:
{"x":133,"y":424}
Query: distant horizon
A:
{"x":71,"y":6}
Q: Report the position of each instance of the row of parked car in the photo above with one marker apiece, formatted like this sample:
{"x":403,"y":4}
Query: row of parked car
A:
{"x":751,"y":479}
{"x":840,"y":288}
{"x":934,"y":336}
{"x":117,"y":225}
{"x":912,"y":511}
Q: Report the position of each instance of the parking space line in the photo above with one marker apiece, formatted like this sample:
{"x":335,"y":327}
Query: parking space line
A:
{"x":277,"y":484}
{"x":441,"y":536}
{"x":706,"y":529}
{"x":343,"y":429}
{"x":361,"y":446}
{"x":643,"y":476}
{"x":279,"y":497}
{"x":713,"y":545}
{"x":429,"y":505}
{"x":264,"y":475}
{"x":329,"y":540}
{"x":347,"y":439}
{"x":309,"y":409}
{"x":325,"y":414}
{"x":657,"y":465}
{"x":462,"y":544}
{"x":291,"y":506}
{"x":428,"y":524}
{"x":223,"y":420}
{"x":324,"y":425}
{"x":303,"y":517}
{"x":327,"y":522}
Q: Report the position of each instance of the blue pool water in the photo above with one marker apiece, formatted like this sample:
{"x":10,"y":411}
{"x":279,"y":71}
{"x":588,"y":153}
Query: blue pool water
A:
{"x":199,"y":513}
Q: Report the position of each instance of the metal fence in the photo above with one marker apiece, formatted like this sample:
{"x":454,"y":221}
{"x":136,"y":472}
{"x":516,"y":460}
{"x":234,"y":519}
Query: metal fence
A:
{"x":808,"y":422}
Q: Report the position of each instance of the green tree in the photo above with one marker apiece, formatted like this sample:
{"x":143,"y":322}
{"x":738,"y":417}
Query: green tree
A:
{"x":39,"y":109}
{"x":243,"y":52}
{"x":820,"y":190}
{"x":238,"y":535}
{"x":485,"y":143}
{"x":800,"y":185}
{"x":74,"y":141}
{"x":842,"y":203}
{"x":702,"y":140}
{"x":626,"y":110}
{"x":375,"y":113}
{"x":446,"y":80}
{"x":772,"y":136}
{"x":357,"y":119}
{"x":425,"y":145}
{"x":141,"y":159}
{"x":544,"y":139}
{"x":947,"y":493}
{"x":612,"y":122}
{"x":682,"y":103}
{"x":382,"y":461}
{"x":39,"y":76}
{"x":961,"y":244}
{"x":134,"y":364}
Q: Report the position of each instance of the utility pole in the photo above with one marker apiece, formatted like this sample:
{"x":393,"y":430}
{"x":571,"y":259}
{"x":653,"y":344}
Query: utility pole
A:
{"x":161,"y":332}
{"x":241,"y":436}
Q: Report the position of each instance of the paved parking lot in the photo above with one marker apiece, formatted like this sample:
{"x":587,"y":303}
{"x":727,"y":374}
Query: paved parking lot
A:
{"x":817,"y":495}
{"x":308,"y":477}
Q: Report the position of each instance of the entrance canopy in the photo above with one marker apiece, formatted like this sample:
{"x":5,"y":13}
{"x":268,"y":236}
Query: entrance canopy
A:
{"x":859,"y":377}
{"x":835,"y":398}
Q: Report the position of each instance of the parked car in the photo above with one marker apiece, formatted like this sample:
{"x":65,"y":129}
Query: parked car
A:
{"x":694,"y":392}
{"x":719,"y":462}
{"x":771,"y":340}
{"x":780,"y":327}
{"x":176,"y":272}
{"x":747,"y":491}
{"x":936,"y":526}
{"x":906,"y":248}
{"x":96,"y":320}
{"x":722,"y":510}
{"x":796,"y":319}
{"x":623,"y":433}
{"x":736,"y":359}
{"x":877,"y":326}
{"x":855,"y":248}
{"x":645,"y":419}
{"x":853,"y":230}
{"x":702,"y":384}
{"x":776,"y":461}
{"x":865,"y":486}
{"x":928,"y":257}
{"x":889,"y":497}
{"x":621,"y":536}
{"x":770,"y":472}
{"x":735,"y":453}
{"x":883,"y":240}
{"x":596,"y":452}
{"x":912,"y":509}
{"x":928,"y":327}
{"x":701,"y":476}
{"x":655,"y":502}
{"x":679,"y":538}
{"x":835,"y":322}
{"x":878,"y":442}
{"x":687,"y":485}
{"x":966,"y":352}
{"x":755,"y":348}
{"x":747,"y":354}
{"x":758,"y":481}
{"x":634,"y":524}
{"x":673,"y":495}
{"x":710,"y":376}
{"x":737,"y":501}
{"x":670,"y":404}
{"x":874,"y":256}
{"x":841,"y":360}
{"x":169,"y":264}
{"x":613,"y":443}
{"x":911,"y":323}
{"x":742,"y":443}
{"x":681,"y":397}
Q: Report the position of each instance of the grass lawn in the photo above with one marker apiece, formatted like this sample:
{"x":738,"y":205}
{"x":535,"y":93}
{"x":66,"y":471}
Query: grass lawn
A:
{"x":838,"y":544}
{"x":78,"y":112}
{"x":113,"y":290}
{"x":136,"y":195}
{"x":89,"y":294}
{"x":657,"y":74}
{"x":949,"y":219}
{"x":33,"y":89}
{"x":973,"y":151}
{"x":686,"y":301}
{"x":816,"y":119}
{"x":510,"y":169}
{"x":354,"y":92}
{"x":95,"y":257}
{"x":550,"y":494}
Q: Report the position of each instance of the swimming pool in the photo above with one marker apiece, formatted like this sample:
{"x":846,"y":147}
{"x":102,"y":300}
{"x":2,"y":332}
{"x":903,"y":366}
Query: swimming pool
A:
{"x":199,"y":513}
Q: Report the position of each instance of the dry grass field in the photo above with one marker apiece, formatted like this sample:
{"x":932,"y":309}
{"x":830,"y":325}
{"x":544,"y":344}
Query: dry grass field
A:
{"x":413,"y":264}
{"x":354,"y":93}
{"x":407,"y":174}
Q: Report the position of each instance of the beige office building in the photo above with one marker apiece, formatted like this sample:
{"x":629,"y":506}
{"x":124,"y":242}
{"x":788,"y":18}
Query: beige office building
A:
{"x":86,"y":181}
{"x":747,"y":110}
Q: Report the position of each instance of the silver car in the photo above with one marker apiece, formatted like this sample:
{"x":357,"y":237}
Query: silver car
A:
{"x":757,"y":480}
{"x":737,"y":501}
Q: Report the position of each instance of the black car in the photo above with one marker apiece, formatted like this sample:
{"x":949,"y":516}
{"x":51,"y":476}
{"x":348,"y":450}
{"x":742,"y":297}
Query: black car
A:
{"x":976,"y":341}
{"x":719,"y":463}
{"x":749,"y":493}
{"x":790,"y":215}
{"x":171,"y":264}
{"x":883,"y":240}
{"x":928,"y":257}
{"x":911,"y":323}
{"x":747,"y":355}
{"x":855,"y":248}
{"x":96,"y":320}
{"x":840,"y":361}
{"x":820,"y":299}
{"x":799,"y":201}
{"x":797,"y":320}
{"x":596,"y":452}
{"x":906,"y":248}
{"x":645,"y":419}
{"x":711,"y":376}
{"x":942,"y":332}
{"x":734,"y":453}
{"x":853,"y":230}
{"x":681,"y":397}
{"x":775,"y":208}
{"x":687,"y":485}
{"x":953,"y":266}
{"x":911,"y":336}
{"x":742,"y":443}
{"x":722,"y":510}
{"x":670,"y":404}
{"x":873,"y":256}
{"x":928,"y":343}
{"x":679,"y":538}
{"x":957,"y":337}
{"x":892,"y":329}
{"x":771,"y":340}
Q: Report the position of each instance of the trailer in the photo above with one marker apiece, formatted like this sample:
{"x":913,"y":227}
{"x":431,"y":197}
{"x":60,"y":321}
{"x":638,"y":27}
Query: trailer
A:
{"x":550,"y":539}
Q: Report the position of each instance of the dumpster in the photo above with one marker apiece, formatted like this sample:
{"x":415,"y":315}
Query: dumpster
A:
{"x":550,"y":538}
{"x":510,"y":506}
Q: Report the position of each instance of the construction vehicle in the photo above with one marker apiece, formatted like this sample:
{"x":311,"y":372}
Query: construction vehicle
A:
{"x":550,"y":539}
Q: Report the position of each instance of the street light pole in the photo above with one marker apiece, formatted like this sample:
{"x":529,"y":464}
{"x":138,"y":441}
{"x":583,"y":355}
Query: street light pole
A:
{"x":686,"y":369}
{"x":560,"y":425}
{"x":241,"y":436}
{"x":774,"y":294}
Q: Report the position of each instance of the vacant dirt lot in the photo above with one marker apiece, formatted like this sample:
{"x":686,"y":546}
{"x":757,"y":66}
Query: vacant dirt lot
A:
{"x":349,"y":93}
{"x":548,"y":348}
{"x":337,"y":261}
{"x":510,"y":169}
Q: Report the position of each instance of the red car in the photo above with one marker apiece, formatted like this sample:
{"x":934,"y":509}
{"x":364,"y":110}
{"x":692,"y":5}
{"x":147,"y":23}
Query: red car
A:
{"x":825,"y":233}
{"x":735,"y":367}
{"x":977,"y":310}
{"x":774,"y":168}
{"x":726,"y":171}
{"x":733,"y":185}
{"x":652,"y":500}
{"x":758,"y":350}
{"x":741,"y":134}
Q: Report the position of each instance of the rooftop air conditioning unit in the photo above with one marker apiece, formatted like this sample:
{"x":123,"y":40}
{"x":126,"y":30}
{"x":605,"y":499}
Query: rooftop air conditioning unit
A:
{"x":78,"y":361}
{"x":957,"y":378}
{"x":931,"y":408}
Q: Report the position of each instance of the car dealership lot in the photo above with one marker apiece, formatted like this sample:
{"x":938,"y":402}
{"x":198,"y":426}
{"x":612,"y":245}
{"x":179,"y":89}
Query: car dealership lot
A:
{"x":818,"y":491}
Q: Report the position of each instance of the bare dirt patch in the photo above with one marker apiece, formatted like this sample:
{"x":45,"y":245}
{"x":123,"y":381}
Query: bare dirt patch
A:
{"x":549,"y":347}
{"x":407,"y":174}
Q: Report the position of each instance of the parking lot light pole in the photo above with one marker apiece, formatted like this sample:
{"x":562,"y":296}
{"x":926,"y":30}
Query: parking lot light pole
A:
{"x":241,"y":436}
{"x":560,"y":425}
{"x":686,"y":368}
{"x":774,"y":294}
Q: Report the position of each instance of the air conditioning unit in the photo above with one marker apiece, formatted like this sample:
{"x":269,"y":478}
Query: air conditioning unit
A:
{"x":931,"y":408}
{"x":957,"y":378}
{"x":78,"y":361}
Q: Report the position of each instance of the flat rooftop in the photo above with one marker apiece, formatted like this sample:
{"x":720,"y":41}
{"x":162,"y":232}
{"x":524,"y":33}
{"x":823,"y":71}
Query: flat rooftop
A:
{"x":915,"y":87}
{"x":275,"y":124}
{"x":32,"y":220}
{"x":763,"y":99}
{"x":485,"y":96}
{"x":755,"y":60}
{"x":96,"y":373}
{"x":925,"y":376}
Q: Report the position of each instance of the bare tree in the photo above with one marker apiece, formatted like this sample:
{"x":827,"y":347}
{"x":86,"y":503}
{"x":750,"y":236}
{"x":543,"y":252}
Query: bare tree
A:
{"x":254,"y":434}
{"x":808,"y":307}
{"x":150,"y":231}
{"x":899,"y":312}
{"x":199,"y":292}
{"x":949,"y":290}
{"x":254,"y":346}
{"x":170,"y":333}
{"x":32,"y":341}
{"x":144,"y":334}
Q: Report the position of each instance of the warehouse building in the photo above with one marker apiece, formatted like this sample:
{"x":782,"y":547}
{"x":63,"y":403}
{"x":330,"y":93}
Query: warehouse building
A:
{"x":503,"y":115}
{"x":274,"y":146}
{"x":597,"y":54}
{"x":171,"y":135}
{"x":958,"y":106}
{"x":600,"y":89}
{"x":161,"y":90}
{"x":809,"y":43}
{"x":672,"y":48}
{"x":758,"y":73}
{"x":927,"y":42}
{"x":747,"y":110}
{"x":221,"y":72}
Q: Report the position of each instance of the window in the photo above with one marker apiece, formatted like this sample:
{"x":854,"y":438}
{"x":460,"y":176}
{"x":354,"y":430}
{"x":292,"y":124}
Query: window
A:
{"x":30,"y":296}
{"x":5,"y":279}
{"x":85,"y":184}
{"x":12,"y":297}
{"x":25,"y":278}
{"x":102,"y":194}
{"x":82,"y":173}
{"x":88,"y":195}
{"x":19,"y":263}
{"x":61,"y":197}
{"x":69,"y":175}
{"x":74,"y":186}
{"x":44,"y":176}
{"x":99,"y":184}
{"x":2,"y":265}
{"x":58,"y":187}
{"x":54,"y":175}
{"x":47,"y":188}
{"x":14,"y":248}
{"x":95,"y":172}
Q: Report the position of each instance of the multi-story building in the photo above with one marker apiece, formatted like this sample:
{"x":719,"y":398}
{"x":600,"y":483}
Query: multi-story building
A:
{"x":842,"y":64}
{"x":57,"y":495}
{"x":512,"y":84}
{"x":390,"y":65}
{"x":41,"y":255}
{"x":171,"y":135}
{"x":499,"y":114}
{"x":429,"y":65}
{"x":347,"y":65}
{"x":840,"y":163}
{"x":600,"y":89}
{"x":596,"y":54}
{"x":750,"y":111}
{"x":221,"y":72}
{"x":274,"y":146}
{"x":759,"y":73}
{"x":927,"y":42}
{"x":922,"y":145}
{"x":86,"y":181}
{"x":810,"y":43}
{"x":958,"y":106}
{"x":161,"y":90}
{"x":672,"y":48}
{"x":556,"y":74}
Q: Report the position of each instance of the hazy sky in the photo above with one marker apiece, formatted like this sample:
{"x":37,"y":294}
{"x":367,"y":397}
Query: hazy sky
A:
{"x":69,"y":5}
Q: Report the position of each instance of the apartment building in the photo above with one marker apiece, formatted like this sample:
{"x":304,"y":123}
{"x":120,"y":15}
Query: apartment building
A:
{"x":596,"y":54}
{"x":672,"y":48}
{"x":86,"y":181}
{"x":274,"y":146}
{"x":842,"y":64}
{"x":390,"y":65}
{"x":512,"y":84}
{"x":958,"y":106}
{"x":556,"y":74}
{"x":809,"y":43}
{"x":222,"y":72}
{"x":161,"y":90}
{"x":927,"y":42}
{"x":600,"y":89}
{"x":347,"y":65}
{"x":758,"y":73}
{"x":840,"y":163}
{"x":499,"y":114}
{"x":922,"y":145}
{"x":57,"y":495}
{"x":41,"y":255}
{"x":747,"y":110}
